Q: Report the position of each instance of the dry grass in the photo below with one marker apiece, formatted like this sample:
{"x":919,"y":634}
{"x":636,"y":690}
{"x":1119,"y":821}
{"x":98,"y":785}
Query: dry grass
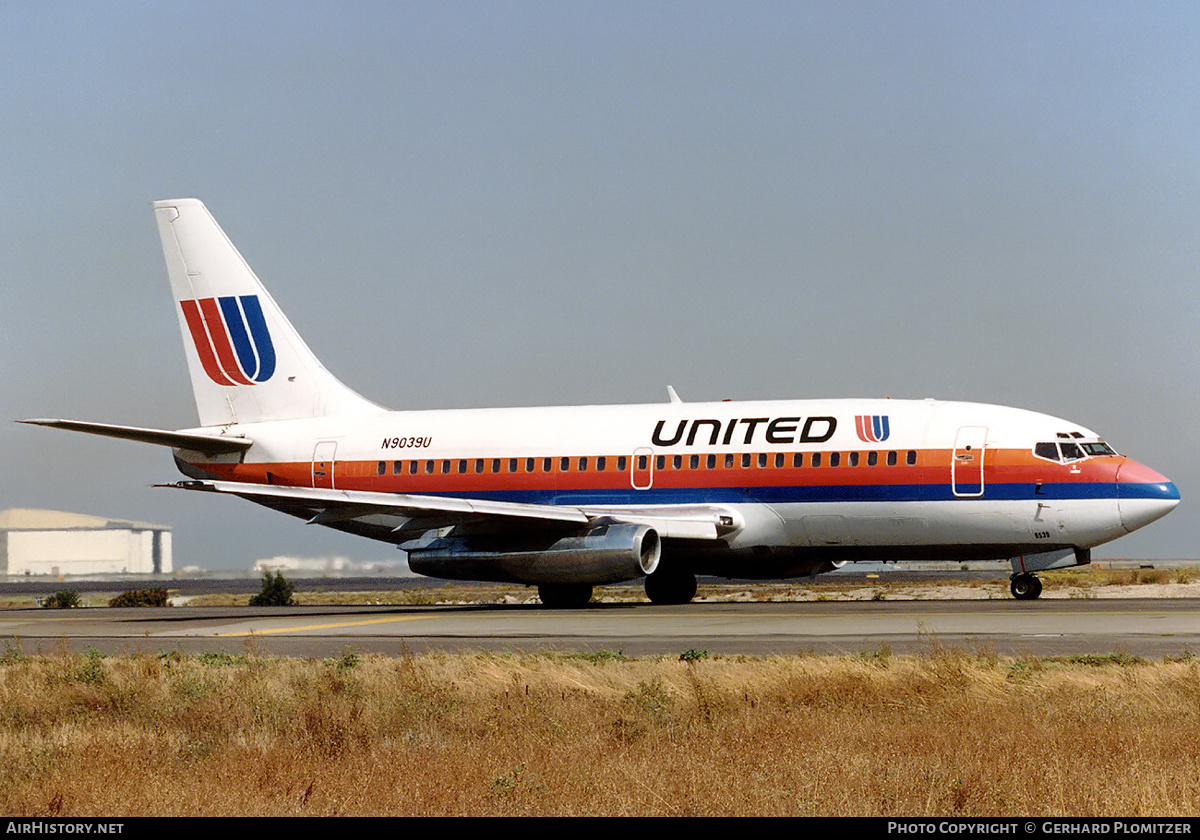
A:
{"x":947,"y":733}
{"x":1107,"y":576}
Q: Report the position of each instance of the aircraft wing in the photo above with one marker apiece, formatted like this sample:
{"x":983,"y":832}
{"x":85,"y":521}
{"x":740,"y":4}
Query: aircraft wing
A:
{"x":408,"y":516}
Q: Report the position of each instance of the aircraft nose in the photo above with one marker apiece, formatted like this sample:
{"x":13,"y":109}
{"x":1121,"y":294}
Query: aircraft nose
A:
{"x":1143,"y":495}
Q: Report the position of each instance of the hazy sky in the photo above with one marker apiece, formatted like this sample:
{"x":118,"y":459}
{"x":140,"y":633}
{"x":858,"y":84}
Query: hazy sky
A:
{"x":522,"y":203}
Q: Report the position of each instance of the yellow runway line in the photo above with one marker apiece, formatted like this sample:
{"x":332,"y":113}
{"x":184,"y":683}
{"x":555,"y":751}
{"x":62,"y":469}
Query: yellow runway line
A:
{"x":324,"y":626}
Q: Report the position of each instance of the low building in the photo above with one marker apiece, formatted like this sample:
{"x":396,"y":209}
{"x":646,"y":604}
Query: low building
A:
{"x":50,"y":542}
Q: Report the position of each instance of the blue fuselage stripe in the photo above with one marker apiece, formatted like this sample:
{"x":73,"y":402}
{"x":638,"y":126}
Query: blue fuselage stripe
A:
{"x":827,"y":493}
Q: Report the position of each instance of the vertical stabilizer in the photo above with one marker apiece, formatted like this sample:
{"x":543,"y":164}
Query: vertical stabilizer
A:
{"x":246,"y":360}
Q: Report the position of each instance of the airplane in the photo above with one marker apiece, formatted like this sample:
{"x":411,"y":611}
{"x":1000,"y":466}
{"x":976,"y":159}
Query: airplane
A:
{"x":570,"y":498}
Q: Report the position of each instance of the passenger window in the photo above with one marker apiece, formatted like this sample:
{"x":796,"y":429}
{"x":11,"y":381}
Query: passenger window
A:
{"x":495,"y":465}
{"x":512,"y":465}
{"x":911,"y":458}
{"x":429,"y":468}
{"x":677,"y":462}
{"x":642,"y":462}
{"x":564,"y":464}
{"x":746,"y":460}
{"x":621,"y":463}
{"x":660,"y":463}
{"x":529,"y":464}
{"x":816,"y":459}
{"x":694,"y":462}
{"x":853,"y":457}
{"x":583,"y":464}
{"x":547,"y":465}
{"x":412,"y":468}
{"x":778,"y":460}
{"x":872,"y":458}
{"x":711,"y":462}
{"x":382,"y":468}
{"x":730,"y":461}
{"x":762,"y":459}
{"x":891,"y":459}
{"x":445,"y":467}
{"x":462,"y":466}
{"x":600,"y":462}
{"x":798,"y":459}
{"x":478,"y":465}
{"x":835,"y":458}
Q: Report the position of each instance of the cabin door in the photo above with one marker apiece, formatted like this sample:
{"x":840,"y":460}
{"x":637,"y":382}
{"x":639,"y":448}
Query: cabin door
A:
{"x":966,"y":467}
{"x":641,"y":468}
{"x":322,"y":464}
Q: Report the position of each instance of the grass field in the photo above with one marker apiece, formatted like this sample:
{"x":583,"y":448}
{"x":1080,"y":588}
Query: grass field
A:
{"x":946,"y":733}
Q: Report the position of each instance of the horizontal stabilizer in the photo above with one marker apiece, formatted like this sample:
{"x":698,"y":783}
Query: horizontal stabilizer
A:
{"x":195,"y":441}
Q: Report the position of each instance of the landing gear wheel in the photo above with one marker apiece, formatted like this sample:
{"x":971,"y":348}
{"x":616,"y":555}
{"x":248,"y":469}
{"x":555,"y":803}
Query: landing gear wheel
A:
{"x":666,"y":587}
{"x":1025,"y":587}
{"x":565,"y":595}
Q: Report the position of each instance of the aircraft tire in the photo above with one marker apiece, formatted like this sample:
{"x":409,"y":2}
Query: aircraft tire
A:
{"x":666,"y":587}
{"x":565,"y":595}
{"x":1025,"y":587}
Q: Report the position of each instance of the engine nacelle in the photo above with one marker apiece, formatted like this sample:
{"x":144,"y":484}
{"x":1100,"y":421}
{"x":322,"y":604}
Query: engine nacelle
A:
{"x":608,"y":553}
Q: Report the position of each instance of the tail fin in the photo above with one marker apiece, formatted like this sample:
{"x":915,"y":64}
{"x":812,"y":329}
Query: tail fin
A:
{"x":247,"y":362}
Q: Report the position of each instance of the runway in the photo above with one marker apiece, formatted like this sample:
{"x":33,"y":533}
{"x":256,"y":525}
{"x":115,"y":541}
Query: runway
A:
{"x":1151,"y":628}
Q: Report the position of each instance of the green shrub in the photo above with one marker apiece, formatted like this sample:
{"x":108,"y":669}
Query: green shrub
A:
{"x":140,"y":598}
{"x":276,"y":592}
{"x":91,"y":669}
{"x":63,"y":600}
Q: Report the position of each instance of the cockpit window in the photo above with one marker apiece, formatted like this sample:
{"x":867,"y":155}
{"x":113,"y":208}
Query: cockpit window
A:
{"x":1046,"y":450}
{"x":1066,"y":450}
{"x":1070,"y":451}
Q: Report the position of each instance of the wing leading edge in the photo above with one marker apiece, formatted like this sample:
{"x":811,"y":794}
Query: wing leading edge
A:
{"x":409,"y":517}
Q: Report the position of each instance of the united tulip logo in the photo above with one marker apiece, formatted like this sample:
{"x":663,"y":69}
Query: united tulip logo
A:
{"x":231,"y":338}
{"x":872,"y":428}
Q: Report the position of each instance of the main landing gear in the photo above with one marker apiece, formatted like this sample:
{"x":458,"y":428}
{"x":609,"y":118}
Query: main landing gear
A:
{"x":667,"y":586}
{"x":1025,"y":587}
{"x":565,"y":595}
{"x":663,"y":587}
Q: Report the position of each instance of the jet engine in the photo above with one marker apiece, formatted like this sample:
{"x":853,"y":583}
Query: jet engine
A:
{"x":609,"y":552}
